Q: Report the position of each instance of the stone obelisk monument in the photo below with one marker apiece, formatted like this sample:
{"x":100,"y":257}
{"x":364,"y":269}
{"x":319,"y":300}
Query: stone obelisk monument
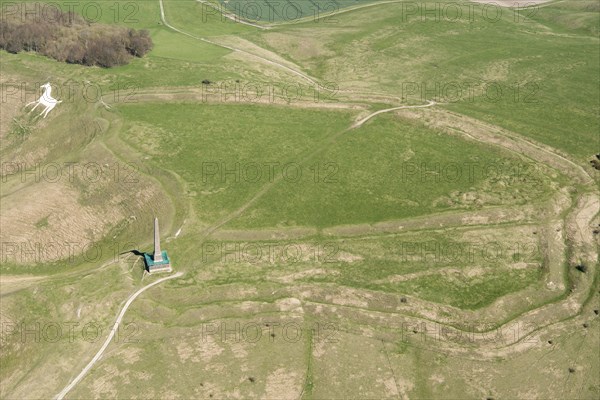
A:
{"x":159,"y":260}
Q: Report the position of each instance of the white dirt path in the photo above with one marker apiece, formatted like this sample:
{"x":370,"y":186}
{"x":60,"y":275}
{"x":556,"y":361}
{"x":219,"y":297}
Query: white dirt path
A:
{"x":85,"y":370}
{"x":368,"y":117}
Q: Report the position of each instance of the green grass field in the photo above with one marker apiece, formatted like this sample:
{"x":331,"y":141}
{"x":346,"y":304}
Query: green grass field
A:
{"x":518,"y":76}
{"x":428,"y":253}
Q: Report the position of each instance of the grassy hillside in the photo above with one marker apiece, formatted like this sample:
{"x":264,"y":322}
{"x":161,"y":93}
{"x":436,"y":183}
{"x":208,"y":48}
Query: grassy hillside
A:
{"x":515,"y":72}
{"x":426,"y":253}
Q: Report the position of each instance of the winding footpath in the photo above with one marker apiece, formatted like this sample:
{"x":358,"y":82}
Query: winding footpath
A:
{"x":114,"y":329}
{"x":368,"y":117}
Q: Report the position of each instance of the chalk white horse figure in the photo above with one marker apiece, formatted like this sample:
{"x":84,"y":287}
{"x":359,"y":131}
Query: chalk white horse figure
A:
{"x":46,"y":100}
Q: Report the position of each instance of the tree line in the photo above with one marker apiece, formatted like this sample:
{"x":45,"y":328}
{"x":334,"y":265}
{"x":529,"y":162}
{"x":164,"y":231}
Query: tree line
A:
{"x":68,"y":37}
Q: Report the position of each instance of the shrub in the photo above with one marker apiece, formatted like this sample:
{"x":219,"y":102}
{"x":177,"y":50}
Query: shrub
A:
{"x":139,"y":42}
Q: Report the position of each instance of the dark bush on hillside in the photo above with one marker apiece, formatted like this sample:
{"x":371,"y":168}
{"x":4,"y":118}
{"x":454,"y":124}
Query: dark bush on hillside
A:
{"x":139,"y":42}
{"x":67,"y":37}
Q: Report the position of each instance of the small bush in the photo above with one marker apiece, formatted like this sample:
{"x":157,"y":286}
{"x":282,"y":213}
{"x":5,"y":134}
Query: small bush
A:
{"x":581,"y":268}
{"x":139,"y":42}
